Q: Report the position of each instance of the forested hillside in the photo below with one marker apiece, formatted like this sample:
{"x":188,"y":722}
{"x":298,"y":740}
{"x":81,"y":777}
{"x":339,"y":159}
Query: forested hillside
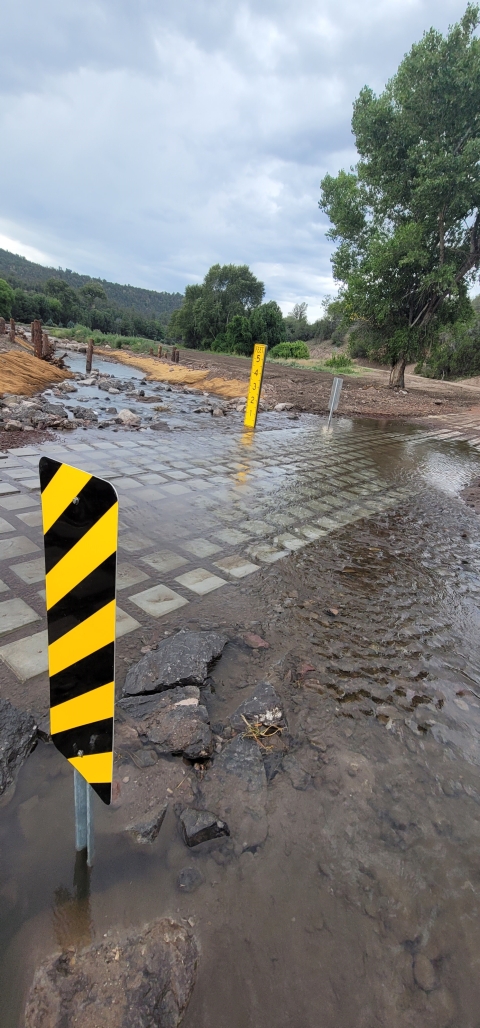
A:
{"x":24,"y":274}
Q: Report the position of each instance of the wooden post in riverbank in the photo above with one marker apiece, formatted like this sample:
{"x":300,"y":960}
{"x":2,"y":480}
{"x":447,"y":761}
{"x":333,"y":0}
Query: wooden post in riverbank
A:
{"x":12,"y":330}
{"x":2,"y":326}
{"x":88,"y":364}
{"x":37,"y":339}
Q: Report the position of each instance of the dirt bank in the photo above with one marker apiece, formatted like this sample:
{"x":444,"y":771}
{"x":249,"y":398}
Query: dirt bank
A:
{"x":365,"y":394}
{"x":23,"y":375}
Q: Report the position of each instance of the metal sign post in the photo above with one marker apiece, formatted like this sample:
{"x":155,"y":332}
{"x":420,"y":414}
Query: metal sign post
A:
{"x":255,"y":387}
{"x":334,"y":397}
{"x":84,"y":836}
{"x":80,"y":526}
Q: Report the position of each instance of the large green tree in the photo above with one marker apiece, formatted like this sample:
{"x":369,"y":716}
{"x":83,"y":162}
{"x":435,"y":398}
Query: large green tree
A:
{"x":407,"y":217}
{"x":226,"y":292}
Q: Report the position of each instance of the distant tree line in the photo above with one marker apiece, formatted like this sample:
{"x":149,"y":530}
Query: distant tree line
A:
{"x":61,"y":305}
{"x":21,"y":273}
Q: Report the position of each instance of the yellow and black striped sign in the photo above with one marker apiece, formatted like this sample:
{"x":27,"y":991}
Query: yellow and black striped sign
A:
{"x":255,"y":387}
{"x":80,"y":526}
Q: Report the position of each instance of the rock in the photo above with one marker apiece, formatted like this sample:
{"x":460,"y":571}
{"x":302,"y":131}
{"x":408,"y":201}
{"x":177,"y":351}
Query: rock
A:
{"x":299,"y":778}
{"x":18,"y":735}
{"x":144,"y":758}
{"x":55,"y":408}
{"x":283,"y":406}
{"x":128,"y":980}
{"x":201,"y":826}
{"x":174,"y":722}
{"x":111,"y":410}
{"x":114,"y":391}
{"x":147,"y":831}
{"x":127,"y":417}
{"x":255,"y":642}
{"x":85,"y":414}
{"x":273,"y":765}
{"x":236,"y":786}
{"x":189,"y":879}
{"x":13,"y":426}
{"x":182,"y":659}
{"x":424,"y":972}
{"x":263,"y":707}
{"x":218,"y":412}
{"x":160,"y":426}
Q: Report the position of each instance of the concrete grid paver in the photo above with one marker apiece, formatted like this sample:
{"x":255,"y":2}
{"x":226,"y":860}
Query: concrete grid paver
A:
{"x":217,"y":495}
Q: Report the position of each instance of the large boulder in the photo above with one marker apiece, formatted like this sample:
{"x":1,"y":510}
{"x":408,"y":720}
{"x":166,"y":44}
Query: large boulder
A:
{"x":182,"y":659}
{"x":18,"y":735}
{"x":173,"y":722}
{"x":139,"y":979}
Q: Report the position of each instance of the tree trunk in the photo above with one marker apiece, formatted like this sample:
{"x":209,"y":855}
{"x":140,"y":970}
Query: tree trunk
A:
{"x":397,"y":374}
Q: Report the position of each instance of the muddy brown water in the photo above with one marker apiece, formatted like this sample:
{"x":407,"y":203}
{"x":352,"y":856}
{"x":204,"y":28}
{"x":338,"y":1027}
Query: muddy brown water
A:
{"x":360,"y":908}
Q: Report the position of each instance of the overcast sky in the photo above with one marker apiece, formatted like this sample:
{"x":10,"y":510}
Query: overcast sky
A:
{"x":144,"y":140}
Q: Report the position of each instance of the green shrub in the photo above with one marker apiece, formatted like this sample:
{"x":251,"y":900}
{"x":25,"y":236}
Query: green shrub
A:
{"x":339,"y":360}
{"x":287,"y":351}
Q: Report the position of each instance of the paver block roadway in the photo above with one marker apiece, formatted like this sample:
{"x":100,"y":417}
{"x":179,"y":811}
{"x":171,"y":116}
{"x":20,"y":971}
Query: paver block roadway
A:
{"x":212,"y":512}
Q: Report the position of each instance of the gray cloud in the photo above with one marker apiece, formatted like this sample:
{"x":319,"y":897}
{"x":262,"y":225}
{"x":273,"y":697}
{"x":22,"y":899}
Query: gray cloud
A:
{"x":143,"y":141}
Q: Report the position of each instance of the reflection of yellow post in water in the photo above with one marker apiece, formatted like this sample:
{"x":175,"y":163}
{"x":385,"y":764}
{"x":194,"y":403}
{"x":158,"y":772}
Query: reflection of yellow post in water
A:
{"x":246,"y":439}
{"x":255,"y":387}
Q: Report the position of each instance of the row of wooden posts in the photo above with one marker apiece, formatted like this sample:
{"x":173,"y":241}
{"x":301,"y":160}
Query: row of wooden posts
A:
{"x":174,"y":353}
{"x":3,"y":329}
{"x":42,"y":347}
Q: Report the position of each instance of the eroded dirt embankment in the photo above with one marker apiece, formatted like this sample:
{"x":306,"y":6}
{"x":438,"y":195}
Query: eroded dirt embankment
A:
{"x":23,"y":374}
{"x":197,"y":378}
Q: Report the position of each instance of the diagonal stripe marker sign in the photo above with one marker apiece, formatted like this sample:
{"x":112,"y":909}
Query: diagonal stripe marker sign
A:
{"x":80,"y":527}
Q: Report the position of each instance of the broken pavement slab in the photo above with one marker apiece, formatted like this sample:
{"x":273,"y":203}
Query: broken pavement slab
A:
{"x":182,"y":659}
{"x":18,"y":735}
{"x":199,"y":826}
{"x":147,"y":831}
{"x":263,"y":707}
{"x":173,"y":721}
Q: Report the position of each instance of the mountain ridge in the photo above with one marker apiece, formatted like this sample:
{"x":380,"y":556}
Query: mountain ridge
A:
{"x":24,"y":274}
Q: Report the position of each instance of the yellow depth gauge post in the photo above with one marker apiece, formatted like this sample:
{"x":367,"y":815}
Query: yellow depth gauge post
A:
{"x":80,"y":525}
{"x":255,"y":387}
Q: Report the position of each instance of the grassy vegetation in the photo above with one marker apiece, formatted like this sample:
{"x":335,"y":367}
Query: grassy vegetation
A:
{"x":340,"y":362}
{"x":317,"y":366}
{"x":82,"y":334}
